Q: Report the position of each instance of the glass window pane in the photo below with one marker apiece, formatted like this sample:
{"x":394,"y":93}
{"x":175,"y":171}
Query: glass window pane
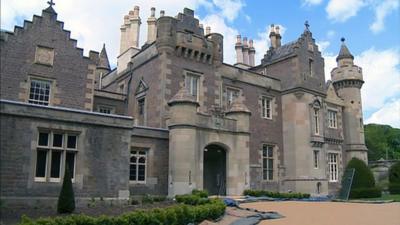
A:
{"x":71,"y":142}
{"x":41,"y":159}
{"x":270,"y":152}
{"x":142,"y":160}
{"x":264,"y":163}
{"x":141,"y":172}
{"x":265,"y":174}
{"x":132,"y":172}
{"x":133,"y":159}
{"x":55,"y":164}
{"x":270,"y":175}
{"x":70,"y":162}
{"x":43,"y":139}
{"x":57,"y":140}
{"x":270,"y":164}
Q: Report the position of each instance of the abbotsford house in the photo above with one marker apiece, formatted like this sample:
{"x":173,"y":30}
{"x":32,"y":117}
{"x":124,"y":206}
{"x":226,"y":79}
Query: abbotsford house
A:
{"x":172,"y":116}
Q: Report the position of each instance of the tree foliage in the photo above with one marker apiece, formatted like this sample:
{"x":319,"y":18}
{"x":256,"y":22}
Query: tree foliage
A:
{"x":382,"y":139}
{"x":66,"y":199}
{"x":363,"y":185}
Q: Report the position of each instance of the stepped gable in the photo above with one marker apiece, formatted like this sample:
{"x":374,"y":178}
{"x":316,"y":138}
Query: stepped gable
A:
{"x":48,"y":13}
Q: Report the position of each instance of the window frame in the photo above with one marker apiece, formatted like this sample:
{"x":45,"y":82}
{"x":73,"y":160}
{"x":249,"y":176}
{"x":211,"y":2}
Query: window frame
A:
{"x":333,"y":166}
{"x":316,"y":158}
{"x":332,"y":119}
{"x":231,"y":98}
{"x":138,"y":155}
{"x":101,"y":108}
{"x":316,"y":121}
{"x":50,"y":149}
{"x":38,"y":101}
{"x":265,"y":168}
{"x":264,"y":110}
{"x":193,"y":76}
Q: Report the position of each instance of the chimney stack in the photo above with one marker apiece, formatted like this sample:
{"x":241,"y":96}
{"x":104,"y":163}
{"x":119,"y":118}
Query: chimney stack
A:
{"x":208,"y":30}
{"x":239,"y":49}
{"x":278,"y":36}
{"x":151,"y":26}
{"x":245,"y":51}
{"x":252,"y":52}
{"x":272,"y":36}
{"x":130,"y":30}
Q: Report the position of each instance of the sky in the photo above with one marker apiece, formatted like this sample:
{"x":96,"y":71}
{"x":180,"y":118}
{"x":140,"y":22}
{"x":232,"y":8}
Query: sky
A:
{"x":371,"y":29}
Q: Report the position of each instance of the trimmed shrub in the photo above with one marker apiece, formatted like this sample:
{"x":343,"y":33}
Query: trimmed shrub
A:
{"x":174,"y":215}
{"x":191,"y":199}
{"x":394,"y":173}
{"x":66,"y":199}
{"x":394,"y":188}
{"x":373,"y":192}
{"x":200,"y":193}
{"x":363,"y":185}
{"x":260,"y":193}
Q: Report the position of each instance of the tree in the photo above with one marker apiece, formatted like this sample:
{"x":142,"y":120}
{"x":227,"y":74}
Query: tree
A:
{"x":66,"y":199}
{"x":363,"y":185}
{"x":394,"y":178}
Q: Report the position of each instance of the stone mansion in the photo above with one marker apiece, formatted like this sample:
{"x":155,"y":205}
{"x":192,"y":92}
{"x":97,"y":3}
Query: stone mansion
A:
{"x":172,"y":116}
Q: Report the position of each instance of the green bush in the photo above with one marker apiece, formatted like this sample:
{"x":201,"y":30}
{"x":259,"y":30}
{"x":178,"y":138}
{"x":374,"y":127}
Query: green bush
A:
{"x":394,"y":173}
{"x":371,"y":192}
{"x":200,"y":193}
{"x":191,"y":199}
{"x":66,"y":199}
{"x":174,"y":215}
{"x":259,"y":193}
{"x":394,"y":188}
{"x":363,"y":185}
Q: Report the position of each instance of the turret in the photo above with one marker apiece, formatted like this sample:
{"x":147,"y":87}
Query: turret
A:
{"x":241,"y":114}
{"x":103,"y":67}
{"x":347,"y":80}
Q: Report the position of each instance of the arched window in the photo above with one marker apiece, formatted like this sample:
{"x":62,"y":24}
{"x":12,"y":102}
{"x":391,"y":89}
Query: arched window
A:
{"x":137,"y":166}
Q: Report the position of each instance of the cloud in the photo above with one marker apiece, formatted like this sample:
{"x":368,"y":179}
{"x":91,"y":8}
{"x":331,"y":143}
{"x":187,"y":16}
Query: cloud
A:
{"x":311,"y":2}
{"x":229,"y":8}
{"x":340,"y":11}
{"x":381,"y":72}
{"x":217,"y":24}
{"x":331,"y":34}
{"x":388,"y":114}
{"x":323,"y":45}
{"x":381,"y":11}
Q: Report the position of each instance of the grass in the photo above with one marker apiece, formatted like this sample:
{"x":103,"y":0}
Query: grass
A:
{"x":395,"y":198}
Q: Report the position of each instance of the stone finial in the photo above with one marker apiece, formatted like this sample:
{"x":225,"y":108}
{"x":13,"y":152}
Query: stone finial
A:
{"x":307,"y":25}
{"x":183,"y":96}
{"x":208,"y":30}
{"x":162,"y":13}
{"x":153,"y":12}
{"x":238,"y":107}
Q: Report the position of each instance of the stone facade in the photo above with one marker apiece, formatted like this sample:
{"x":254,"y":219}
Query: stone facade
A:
{"x":173,"y":116}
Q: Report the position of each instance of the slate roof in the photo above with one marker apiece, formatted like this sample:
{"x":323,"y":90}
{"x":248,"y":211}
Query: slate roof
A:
{"x":280,"y":52}
{"x":344,"y":52}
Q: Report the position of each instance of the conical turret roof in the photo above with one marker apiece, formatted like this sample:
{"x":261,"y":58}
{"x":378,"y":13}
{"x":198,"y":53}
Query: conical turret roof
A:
{"x":183,"y":96}
{"x":344,"y":52}
{"x":103,"y":59}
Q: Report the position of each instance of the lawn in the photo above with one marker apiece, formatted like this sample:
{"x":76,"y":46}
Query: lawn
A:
{"x":396,"y":198}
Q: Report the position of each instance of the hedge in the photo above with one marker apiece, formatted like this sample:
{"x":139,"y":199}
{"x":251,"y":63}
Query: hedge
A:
{"x":66,"y":199}
{"x":363,"y":185}
{"x":394,"y":188}
{"x":259,"y":193}
{"x":372,"y":192}
{"x":174,"y":215}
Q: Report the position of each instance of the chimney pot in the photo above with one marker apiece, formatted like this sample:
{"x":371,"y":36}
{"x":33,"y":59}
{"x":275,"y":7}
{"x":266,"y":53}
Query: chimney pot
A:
{"x":250,"y":43}
{"x":245,"y":41}
{"x":238,"y":39}
{"x":162,"y":13}
{"x":153,"y":12}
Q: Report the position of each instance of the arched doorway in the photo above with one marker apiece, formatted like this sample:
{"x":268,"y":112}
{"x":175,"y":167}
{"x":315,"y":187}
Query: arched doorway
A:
{"x":214,"y":170}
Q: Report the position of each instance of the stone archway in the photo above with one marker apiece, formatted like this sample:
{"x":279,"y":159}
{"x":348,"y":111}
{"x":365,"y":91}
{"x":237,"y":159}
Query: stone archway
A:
{"x":214,"y":169}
